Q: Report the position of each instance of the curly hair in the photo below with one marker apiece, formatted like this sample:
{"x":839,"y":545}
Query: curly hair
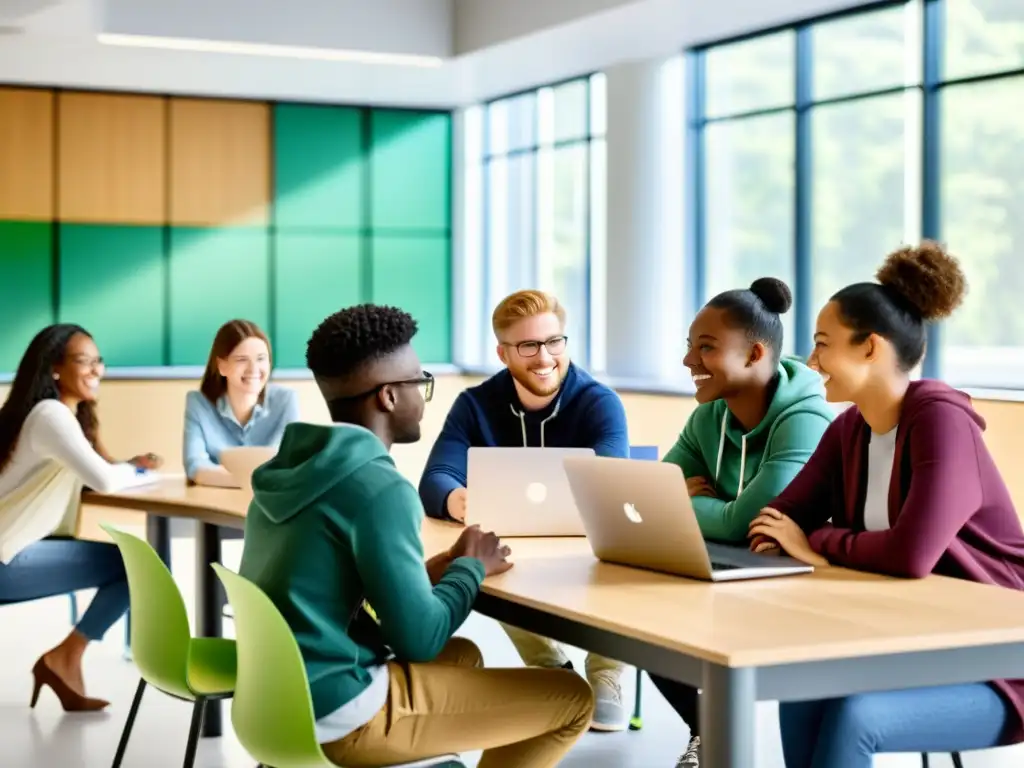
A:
{"x":915,"y":286}
{"x":350,"y":339}
{"x":34,"y":383}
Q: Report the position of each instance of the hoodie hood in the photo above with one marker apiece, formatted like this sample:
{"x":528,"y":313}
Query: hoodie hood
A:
{"x":799,"y":389}
{"x":926,"y":392}
{"x":312,"y":460}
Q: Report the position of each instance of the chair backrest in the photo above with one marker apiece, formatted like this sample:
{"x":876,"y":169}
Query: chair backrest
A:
{"x":160,"y":635}
{"x":643,"y":452}
{"x":272,"y":711}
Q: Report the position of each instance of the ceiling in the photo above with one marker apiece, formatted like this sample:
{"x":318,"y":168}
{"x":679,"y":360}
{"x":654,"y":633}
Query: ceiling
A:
{"x":439,"y":52}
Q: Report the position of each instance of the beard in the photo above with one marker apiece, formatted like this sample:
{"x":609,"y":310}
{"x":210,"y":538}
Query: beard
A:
{"x":535,"y":387}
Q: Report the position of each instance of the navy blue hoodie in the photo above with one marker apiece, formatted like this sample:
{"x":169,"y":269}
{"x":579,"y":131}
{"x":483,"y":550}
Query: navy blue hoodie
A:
{"x":586,"y":414}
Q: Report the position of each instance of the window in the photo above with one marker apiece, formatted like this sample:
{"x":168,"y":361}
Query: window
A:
{"x":542,"y":181}
{"x":827,"y":146}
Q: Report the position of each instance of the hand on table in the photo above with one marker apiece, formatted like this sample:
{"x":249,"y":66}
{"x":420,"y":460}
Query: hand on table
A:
{"x":485,"y":547}
{"x":456,"y":504}
{"x":699,"y":486}
{"x":772,"y":525}
{"x":147,"y":461}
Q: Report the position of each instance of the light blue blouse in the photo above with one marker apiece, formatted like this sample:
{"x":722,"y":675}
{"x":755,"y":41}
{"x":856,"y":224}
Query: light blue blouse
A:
{"x":209,"y":429}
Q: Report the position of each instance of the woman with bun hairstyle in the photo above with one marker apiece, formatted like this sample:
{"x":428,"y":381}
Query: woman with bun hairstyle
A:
{"x":758,"y":420}
{"x":911,"y":490}
{"x":234,"y":405}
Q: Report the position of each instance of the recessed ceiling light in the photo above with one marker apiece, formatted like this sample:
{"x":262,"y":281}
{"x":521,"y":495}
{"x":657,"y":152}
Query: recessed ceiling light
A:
{"x":267,"y":49}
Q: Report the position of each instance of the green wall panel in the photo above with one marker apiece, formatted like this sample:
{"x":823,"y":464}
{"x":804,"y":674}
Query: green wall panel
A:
{"x":414,"y":273}
{"x":316,"y":275}
{"x":26,"y":287}
{"x":318,"y":166}
{"x":410,"y":164}
{"x":216,"y":275}
{"x":111,"y":282}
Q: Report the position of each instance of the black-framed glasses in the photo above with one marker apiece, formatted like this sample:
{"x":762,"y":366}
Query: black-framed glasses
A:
{"x":424,"y":382}
{"x":555,"y":346}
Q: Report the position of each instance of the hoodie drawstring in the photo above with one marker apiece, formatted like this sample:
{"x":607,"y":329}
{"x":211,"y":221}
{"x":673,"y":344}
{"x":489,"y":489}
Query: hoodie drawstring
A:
{"x":522,"y":421}
{"x":721,"y":452}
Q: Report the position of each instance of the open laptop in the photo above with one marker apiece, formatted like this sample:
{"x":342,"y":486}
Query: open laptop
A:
{"x":240,"y":462}
{"x":638,"y":513}
{"x":522,"y":491}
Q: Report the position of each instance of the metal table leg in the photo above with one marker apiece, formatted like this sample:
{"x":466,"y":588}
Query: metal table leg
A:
{"x":209,"y":603}
{"x":727,"y":716}
{"x":158,"y":533}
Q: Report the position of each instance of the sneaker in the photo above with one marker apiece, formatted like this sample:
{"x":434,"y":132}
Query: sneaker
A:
{"x":609,"y":714}
{"x":691,"y":757}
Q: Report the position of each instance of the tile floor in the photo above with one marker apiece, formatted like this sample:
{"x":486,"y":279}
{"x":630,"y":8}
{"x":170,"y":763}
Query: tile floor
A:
{"x":47,"y":738}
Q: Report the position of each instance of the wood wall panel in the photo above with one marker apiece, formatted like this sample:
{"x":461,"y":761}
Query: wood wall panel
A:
{"x":220,"y":162}
{"x":26,"y":154}
{"x":112,"y":158}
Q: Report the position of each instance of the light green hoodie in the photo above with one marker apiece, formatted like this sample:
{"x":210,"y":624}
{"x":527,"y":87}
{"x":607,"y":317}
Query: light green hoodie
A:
{"x":333,"y":523}
{"x":749,"y":470}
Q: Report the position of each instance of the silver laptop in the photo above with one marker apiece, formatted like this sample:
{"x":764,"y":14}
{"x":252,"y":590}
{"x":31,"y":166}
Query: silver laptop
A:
{"x":522,"y":491}
{"x":638,"y":513}
{"x":241,"y":462}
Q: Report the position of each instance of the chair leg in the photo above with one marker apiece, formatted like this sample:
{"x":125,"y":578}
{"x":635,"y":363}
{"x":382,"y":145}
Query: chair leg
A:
{"x":957,"y":762}
{"x":637,"y":721}
{"x":924,"y":760}
{"x":198,"y":711}
{"x":127,"y":732}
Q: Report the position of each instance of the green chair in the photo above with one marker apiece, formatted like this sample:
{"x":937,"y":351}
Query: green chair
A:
{"x":193,"y":669}
{"x":272,"y":710}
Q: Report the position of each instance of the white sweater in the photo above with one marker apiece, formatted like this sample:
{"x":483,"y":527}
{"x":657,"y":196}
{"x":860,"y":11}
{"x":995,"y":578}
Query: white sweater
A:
{"x":41,"y":486}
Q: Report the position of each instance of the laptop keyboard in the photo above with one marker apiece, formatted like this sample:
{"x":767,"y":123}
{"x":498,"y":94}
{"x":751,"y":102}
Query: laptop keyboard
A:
{"x":719,"y":566}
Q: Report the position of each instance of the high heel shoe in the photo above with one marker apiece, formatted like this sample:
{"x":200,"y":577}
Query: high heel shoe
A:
{"x":70,"y":699}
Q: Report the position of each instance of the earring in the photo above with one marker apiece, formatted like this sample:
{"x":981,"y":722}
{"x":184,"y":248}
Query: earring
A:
{"x":56,"y":377}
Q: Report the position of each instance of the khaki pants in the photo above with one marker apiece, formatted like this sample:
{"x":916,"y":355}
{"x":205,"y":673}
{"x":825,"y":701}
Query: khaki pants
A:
{"x":527,"y":718}
{"x":537,"y":651}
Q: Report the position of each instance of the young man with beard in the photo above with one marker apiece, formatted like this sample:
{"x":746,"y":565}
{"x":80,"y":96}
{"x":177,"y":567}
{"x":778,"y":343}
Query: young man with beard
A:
{"x":333,"y":523}
{"x":541,"y":399}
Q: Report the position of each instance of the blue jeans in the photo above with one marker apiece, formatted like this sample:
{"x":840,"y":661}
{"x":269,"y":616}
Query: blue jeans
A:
{"x":55,"y":566}
{"x":845,"y":733}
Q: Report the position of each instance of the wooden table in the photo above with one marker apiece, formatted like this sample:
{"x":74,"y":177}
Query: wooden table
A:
{"x":831,"y":633}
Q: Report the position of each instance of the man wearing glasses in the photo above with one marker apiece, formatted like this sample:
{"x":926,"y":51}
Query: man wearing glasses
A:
{"x":541,"y":399}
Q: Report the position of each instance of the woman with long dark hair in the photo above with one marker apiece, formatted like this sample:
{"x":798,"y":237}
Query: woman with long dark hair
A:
{"x":235,"y":404}
{"x":49,"y":451}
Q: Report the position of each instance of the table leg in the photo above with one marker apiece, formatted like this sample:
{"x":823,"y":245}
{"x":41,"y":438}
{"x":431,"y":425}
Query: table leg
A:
{"x":209,"y":601}
{"x":158,"y":533}
{"x":728,"y":703}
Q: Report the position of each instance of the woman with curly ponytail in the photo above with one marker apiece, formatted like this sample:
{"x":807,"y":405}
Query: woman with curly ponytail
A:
{"x":50,"y":451}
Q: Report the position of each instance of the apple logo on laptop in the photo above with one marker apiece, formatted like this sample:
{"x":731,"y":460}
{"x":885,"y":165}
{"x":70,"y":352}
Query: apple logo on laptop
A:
{"x":536,"y":493}
{"x":631,"y":514}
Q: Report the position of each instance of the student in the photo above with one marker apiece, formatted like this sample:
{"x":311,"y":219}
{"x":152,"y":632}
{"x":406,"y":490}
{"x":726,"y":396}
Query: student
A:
{"x":541,"y":399}
{"x":758,"y":421}
{"x":49,"y":450}
{"x":234,"y":405}
{"x":911,"y":490}
{"x":333,"y":502}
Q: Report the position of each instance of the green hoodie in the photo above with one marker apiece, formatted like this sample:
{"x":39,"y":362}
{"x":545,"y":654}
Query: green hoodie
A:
{"x":749,"y":470}
{"x":333,"y":523}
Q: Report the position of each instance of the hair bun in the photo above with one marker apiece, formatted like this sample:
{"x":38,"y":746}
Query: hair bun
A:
{"x":773,"y":293}
{"x":928,"y":277}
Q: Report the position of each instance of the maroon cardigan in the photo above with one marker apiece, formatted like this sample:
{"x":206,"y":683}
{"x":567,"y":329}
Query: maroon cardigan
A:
{"x":949,"y":510}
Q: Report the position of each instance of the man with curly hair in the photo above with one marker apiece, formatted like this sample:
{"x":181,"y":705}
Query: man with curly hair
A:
{"x":334,"y":525}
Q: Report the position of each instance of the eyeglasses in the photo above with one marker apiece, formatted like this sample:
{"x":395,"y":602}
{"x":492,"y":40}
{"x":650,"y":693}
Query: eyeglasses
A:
{"x":88,"y":362}
{"x":555,"y":346}
{"x":424,"y":382}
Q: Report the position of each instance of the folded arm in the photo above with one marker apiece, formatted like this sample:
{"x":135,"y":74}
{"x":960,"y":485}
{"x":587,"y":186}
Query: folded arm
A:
{"x":786,"y":455}
{"x":945,"y":491}
{"x":195,"y":454}
{"x":686,"y":454}
{"x":416,"y":618}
